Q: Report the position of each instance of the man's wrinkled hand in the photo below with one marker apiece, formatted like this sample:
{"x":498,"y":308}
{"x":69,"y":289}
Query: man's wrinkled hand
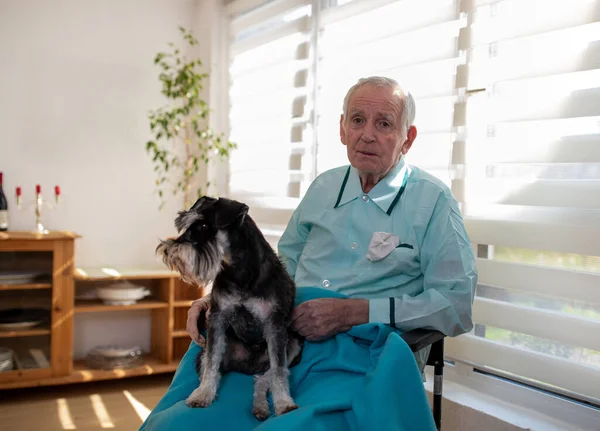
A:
{"x":198,"y":307}
{"x":322,"y":318}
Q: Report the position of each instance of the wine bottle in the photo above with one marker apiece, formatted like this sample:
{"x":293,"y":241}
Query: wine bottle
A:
{"x":3,"y":208}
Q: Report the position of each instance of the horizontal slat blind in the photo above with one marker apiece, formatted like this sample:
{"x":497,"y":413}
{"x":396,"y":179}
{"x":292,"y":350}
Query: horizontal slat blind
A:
{"x":420,"y":53}
{"x":527,"y":161}
{"x":558,"y":283}
{"x":269,"y":90}
{"x":527,"y":365}
{"x":508,"y":114}
{"x":552,"y":325}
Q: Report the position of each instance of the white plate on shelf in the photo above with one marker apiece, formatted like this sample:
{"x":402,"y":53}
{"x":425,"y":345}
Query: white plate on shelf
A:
{"x":86,"y":295}
{"x":122,"y":293}
{"x":116,"y":351}
{"x":7,"y":365}
{"x":5,"y":353}
{"x":18,"y":277}
{"x":6,"y":359}
{"x":18,"y":325}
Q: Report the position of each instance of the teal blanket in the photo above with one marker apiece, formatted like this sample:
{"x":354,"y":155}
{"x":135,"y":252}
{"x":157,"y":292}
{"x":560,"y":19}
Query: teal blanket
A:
{"x":364,"y":379}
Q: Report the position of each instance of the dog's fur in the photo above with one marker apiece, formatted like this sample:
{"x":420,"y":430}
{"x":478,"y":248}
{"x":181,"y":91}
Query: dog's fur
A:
{"x":251,"y":302}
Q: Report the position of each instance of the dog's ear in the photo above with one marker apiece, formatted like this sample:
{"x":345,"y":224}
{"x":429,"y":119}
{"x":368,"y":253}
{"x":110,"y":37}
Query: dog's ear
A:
{"x":203,"y":202}
{"x":228,"y":211}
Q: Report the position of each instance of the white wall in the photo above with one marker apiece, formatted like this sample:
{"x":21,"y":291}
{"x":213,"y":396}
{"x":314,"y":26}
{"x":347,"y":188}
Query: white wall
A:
{"x":76,"y":83}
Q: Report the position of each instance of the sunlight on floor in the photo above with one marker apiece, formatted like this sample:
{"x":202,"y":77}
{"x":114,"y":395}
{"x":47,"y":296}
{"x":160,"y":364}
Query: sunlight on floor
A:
{"x":122,"y":405}
{"x":101,"y":412}
{"x":64,"y":415}
{"x":141,"y":410}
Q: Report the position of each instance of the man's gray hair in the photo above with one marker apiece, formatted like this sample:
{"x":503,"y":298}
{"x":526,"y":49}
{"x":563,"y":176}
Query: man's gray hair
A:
{"x":406,"y":99}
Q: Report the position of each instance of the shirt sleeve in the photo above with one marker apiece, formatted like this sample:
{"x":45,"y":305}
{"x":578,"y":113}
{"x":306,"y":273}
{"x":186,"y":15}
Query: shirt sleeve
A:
{"x":292,"y":241}
{"x":449,"y":279}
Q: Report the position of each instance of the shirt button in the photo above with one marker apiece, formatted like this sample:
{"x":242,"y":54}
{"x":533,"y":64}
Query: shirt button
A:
{"x":354,"y":246}
{"x":326,"y":284}
{"x":365,"y":198}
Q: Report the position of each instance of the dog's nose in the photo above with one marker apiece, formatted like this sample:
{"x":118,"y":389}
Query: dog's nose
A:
{"x":184,"y":236}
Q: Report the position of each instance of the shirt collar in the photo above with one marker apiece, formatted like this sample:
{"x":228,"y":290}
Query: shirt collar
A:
{"x":386,"y":192}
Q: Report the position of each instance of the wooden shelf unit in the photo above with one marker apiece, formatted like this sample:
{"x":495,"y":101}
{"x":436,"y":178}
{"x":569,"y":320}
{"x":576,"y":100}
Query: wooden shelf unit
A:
{"x":183,"y":303}
{"x":38,"y":330}
{"x":97,"y":306}
{"x":180,"y":333}
{"x":168,"y":306}
{"x":30,"y":286}
{"x":83,"y":374}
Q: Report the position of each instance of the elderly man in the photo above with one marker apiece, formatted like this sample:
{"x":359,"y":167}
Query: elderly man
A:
{"x":387,"y":235}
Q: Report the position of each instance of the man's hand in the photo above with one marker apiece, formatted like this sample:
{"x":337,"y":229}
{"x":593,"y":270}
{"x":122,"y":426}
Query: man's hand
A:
{"x":322,"y":318}
{"x":198,"y":307}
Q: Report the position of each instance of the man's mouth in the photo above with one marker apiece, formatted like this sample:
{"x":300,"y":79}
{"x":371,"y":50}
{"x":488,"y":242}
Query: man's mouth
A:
{"x":366,"y":153}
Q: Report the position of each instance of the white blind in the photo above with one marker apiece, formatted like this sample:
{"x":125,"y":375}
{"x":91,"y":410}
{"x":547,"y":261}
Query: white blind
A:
{"x":269,"y":114}
{"x":365,"y":38}
{"x":528,"y":159}
{"x":508,"y":113}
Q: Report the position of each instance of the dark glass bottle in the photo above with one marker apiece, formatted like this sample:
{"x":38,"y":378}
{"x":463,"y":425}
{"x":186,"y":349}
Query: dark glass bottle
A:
{"x":3,"y":208}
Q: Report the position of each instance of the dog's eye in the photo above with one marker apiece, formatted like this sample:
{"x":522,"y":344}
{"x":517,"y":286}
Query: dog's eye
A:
{"x":201,"y":226}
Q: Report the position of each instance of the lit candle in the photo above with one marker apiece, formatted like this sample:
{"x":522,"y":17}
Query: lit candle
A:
{"x":57,"y":193}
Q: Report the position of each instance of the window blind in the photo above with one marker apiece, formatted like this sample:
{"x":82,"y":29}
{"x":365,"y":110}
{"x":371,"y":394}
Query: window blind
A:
{"x":527,"y":156}
{"x":412,"y":41}
{"x":508,"y":114}
{"x":269,"y":114}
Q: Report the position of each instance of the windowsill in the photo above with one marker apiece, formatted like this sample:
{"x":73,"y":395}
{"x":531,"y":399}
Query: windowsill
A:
{"x":476,"y":401}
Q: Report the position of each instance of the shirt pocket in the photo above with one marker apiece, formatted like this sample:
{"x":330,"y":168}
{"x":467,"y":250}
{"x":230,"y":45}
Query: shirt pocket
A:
{"x":404,"y":259}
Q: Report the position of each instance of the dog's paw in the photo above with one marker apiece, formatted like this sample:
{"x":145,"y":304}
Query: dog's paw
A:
{"x":285,"y":408}
{"x":261,"y":413}
{"x":260,"y":408}
{"x":200,"y":398}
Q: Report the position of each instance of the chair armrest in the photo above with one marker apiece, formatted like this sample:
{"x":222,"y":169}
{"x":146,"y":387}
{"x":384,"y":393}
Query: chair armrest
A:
{"x":417,"y":339}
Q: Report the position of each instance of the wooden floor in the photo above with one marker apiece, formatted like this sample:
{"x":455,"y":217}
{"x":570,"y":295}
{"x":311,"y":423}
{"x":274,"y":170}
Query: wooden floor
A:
{"x":113,"y":405}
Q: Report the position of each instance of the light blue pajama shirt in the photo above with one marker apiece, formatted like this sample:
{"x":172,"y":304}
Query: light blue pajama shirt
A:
{"x":427,"y":281}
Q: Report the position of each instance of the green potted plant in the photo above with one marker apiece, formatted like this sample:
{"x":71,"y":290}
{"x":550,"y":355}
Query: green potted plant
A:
{"x":182,"y":139}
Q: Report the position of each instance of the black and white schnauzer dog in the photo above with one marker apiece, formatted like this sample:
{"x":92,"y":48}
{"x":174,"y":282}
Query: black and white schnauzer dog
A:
{"x":251,"y":301}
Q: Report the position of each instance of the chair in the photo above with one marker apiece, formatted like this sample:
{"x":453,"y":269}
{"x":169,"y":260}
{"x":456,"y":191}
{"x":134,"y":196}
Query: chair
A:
{"x":418,"y":339}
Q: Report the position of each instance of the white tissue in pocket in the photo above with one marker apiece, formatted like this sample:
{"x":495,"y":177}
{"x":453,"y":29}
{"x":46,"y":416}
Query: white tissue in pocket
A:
{"x":382,"y":244}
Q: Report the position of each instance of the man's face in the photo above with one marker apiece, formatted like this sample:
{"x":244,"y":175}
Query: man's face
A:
{"x":372,"y":131}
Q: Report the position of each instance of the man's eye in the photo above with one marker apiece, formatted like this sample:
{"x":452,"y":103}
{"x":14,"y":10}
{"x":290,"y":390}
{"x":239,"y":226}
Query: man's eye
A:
{"x":357,"y":120}
{"x":385,"y":124}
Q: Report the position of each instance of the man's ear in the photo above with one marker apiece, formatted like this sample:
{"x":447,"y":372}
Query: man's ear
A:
{"x":342,"y":131}
{"x":228,"y":211}
{"x":411,"y":135}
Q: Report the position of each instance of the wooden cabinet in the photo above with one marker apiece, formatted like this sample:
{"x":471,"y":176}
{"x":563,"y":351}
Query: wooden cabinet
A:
{"x":52,"y":255}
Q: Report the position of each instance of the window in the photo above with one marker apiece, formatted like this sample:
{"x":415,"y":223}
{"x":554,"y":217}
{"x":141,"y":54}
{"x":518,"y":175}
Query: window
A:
{"x":508,"y":115}
{"x":270,"y":115}
{"x":356,"y":40}
{"x":527,"y":153}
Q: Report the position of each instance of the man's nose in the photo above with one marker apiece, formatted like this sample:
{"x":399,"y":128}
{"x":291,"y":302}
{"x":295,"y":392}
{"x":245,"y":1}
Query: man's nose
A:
{"x":368,"y":134}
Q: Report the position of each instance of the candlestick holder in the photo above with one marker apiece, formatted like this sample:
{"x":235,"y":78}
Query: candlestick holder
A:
{"x":39,"y":204}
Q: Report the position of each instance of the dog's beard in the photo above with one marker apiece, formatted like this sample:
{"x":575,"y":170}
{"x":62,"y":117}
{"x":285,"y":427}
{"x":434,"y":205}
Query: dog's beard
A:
{"x":195,"y":266}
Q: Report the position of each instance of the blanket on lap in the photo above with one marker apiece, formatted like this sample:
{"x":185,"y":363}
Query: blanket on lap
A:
{"x":364,"y":379}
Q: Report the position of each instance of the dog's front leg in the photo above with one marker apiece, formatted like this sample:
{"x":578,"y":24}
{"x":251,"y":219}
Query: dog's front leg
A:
{"x":278,"y":373}
{"x":205,"y":394}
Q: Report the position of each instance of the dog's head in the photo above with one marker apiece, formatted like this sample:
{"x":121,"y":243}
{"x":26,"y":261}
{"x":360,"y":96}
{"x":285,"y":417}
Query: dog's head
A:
{"x":197,"y":254}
